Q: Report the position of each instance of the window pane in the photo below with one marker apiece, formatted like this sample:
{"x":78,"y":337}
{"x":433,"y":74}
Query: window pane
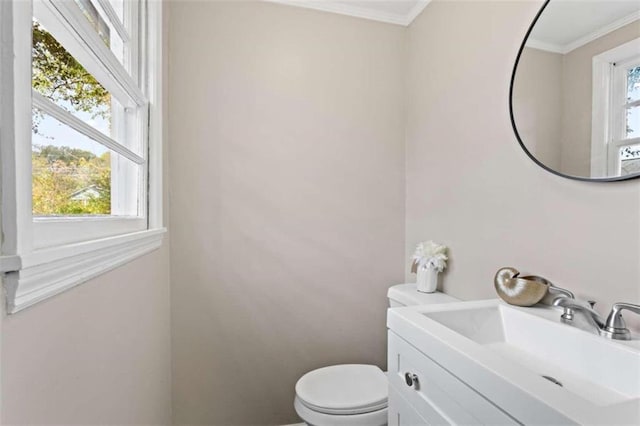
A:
{"x":633,"y":84}
{"x":633,"y":122}
{"x":59,"y":77}
{"x":630,"y":160}
{"x":103,"y":27}
{"x":72,"y":174}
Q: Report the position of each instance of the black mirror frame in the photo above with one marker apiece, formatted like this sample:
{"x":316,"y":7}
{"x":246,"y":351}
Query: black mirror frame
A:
{"x":515,"y":129}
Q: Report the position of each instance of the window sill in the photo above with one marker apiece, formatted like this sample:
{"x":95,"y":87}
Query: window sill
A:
{"x":36,"y":276}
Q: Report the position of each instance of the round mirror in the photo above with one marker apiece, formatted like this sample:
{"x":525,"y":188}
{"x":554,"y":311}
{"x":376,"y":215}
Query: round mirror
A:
{"x":575,"y":89}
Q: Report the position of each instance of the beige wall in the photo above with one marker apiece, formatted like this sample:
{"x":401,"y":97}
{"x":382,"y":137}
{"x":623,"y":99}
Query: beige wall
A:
{"x":287,"y":187}
{"x":470,"y":186}
{"x":577,"y":83}
{"x":96,"y":354}
{"x":537,"y":104}
{"x":99,"y":353}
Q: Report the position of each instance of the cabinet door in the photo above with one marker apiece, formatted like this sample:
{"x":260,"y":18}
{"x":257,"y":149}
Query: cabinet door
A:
{"x":403,"y":414}
{"x":437,"y":393}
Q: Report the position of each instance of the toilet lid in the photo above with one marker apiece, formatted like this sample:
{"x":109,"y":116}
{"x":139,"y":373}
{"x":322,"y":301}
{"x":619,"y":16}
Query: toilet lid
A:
{"x":344,"y":389}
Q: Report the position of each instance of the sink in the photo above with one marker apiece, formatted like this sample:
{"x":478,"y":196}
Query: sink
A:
{"x":499,"y":350}
{"x":585,"y":364}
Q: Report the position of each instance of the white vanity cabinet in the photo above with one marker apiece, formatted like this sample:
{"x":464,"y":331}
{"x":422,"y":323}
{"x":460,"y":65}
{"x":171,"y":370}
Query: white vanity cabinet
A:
{"x":485,"y":362}
{"x":433,"y":395}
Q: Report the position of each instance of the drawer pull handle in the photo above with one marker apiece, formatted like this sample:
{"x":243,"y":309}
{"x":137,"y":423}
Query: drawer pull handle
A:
{"x":411,"y":379}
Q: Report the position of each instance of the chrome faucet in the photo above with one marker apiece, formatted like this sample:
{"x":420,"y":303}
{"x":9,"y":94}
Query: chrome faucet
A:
{"x":615,"y":327}
{"x":556,"y":289}
{"x":572,"y":305}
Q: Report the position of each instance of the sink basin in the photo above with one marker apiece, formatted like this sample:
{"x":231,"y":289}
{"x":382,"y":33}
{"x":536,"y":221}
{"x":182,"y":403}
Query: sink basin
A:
{"x":497,"y":348}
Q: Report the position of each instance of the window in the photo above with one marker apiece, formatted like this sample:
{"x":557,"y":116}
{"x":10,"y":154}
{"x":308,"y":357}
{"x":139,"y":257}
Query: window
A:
{"x":615,"y":147}
{"x":624,"y":143}
{"x":82,"y":154}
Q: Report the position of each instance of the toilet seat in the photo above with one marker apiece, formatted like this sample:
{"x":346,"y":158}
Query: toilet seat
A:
{"x":349,"y":389}
{"x":315,"y":418}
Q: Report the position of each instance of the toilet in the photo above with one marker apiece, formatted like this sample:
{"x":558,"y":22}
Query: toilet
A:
{"x":354,"y":394}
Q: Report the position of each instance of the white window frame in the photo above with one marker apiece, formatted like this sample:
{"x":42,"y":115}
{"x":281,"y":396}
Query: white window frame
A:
{"x":608,"y":101}
{"x":38,"y":261}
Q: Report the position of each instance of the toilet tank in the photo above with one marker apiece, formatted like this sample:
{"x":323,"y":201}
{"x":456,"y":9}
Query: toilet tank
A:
{"x":407,"y":295}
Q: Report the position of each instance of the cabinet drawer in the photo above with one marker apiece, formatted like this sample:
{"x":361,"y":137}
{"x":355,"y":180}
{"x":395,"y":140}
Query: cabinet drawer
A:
{"x":438,"y":391}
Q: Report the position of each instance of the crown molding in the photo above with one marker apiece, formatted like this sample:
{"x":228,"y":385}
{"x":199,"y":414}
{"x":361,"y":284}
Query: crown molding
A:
{"x":417,"y":10}
{"x":602,"y":31}
{"x":358,"y":12}
{"x":541,"y":45}
{"x":564,"y":49}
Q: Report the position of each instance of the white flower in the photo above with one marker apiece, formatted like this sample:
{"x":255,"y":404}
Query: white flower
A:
{"x":431,"y":255}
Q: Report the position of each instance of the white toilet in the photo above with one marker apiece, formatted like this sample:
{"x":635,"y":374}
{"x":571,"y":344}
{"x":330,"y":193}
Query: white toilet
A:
{"x":354,"y":394}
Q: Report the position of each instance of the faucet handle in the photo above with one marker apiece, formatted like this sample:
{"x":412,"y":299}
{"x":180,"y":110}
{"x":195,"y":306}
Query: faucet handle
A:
{"x":615,"y":327}
{"x":570,"y":305}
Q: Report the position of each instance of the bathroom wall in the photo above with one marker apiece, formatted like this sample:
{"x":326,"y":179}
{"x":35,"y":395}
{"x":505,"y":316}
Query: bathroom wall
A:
{"x":96,"y":354}
{"x":287,"y":186}
{"x":470,"y":186}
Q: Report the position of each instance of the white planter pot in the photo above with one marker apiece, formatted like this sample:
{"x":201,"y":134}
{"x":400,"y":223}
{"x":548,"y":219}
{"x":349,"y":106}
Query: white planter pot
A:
{"x":427,"y":280}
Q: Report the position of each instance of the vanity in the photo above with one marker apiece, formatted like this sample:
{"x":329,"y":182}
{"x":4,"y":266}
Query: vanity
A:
{"x":487,"y":362}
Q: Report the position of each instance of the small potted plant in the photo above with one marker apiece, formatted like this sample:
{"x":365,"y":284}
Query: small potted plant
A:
{"x":429,"y":259}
